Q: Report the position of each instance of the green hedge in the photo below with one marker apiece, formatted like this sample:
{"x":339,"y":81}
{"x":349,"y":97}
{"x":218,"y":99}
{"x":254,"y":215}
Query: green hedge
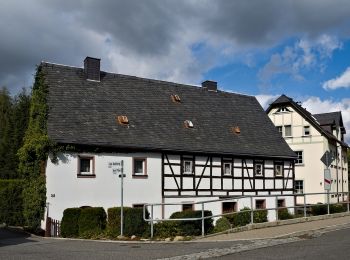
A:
{"x":11,"y":202}
{"x":193,"y":228}
{"x":92,"y":221}
{"x":70,"y":222}
{"x":134,"y":224}
{"x":284,"y":214}
{"x":242,"y":218}
{"x":222,"y":224}
{"x":322,"y":209}
{"x":167,"y":229}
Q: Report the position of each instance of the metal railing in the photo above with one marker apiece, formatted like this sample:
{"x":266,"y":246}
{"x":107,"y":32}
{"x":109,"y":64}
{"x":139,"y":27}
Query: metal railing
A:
{"x":304,"y":206}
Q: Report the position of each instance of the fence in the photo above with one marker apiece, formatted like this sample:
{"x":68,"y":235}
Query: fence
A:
{"x":304,"y":207}
{"x":53,"y":228}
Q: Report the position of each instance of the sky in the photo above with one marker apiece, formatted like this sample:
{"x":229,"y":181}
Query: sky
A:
{"x":264,"y":48}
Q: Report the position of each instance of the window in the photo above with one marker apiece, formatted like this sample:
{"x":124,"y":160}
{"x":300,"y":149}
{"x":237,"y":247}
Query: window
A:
{"x":279,"y":128}
{"x":86,"y":166}
{"x":278,"y":170}
{"x":140,"y":167}
{"x":281,"y":203}
{"x":260,"y":204}
{"x":258,"y":170}
{"x":227,"y":168}
{"x":282,"y":109}
{"x":307,"y":130}
{"x":187,"y":167}
{"x":288,"y":130}
{"x":186,"y":207}
{"x":299,"y":186}
{"x":229,"y":207}
{"x":299,"y":160}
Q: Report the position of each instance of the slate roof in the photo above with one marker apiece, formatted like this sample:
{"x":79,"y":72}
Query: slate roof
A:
{"x":321,"y":122}
{"x":84,"y":112}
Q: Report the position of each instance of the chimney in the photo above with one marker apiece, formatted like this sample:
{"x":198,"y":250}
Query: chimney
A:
{"x":210,"y":85}
{"x":92,"y":68}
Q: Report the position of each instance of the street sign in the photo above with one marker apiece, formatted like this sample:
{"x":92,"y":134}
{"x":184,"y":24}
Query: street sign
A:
{"x":117,"y":166}
{"x":327,"y":158}
{"x":327,"y":179}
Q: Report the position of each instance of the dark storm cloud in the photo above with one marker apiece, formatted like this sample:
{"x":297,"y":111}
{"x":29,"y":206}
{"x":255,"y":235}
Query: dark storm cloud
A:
{"x":148,"y":31}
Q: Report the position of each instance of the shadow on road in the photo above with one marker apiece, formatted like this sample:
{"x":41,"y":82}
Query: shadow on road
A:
{"x":13,"y":237}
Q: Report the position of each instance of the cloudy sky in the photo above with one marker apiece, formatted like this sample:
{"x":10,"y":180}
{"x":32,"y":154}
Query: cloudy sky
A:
{"x":259,"y":47}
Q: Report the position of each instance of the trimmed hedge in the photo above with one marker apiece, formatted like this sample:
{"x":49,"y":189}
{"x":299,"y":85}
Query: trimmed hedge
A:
{"x":321,"y":209}
{"x":11,"y":202}
{"x":70,"y":222}
{"x":284,"y":214}
{"x":92,"y":221}
{"x":222,"y":224}
{"x":134,"y":224}
{"x":193,"y":228}
{"x":242,"y":218}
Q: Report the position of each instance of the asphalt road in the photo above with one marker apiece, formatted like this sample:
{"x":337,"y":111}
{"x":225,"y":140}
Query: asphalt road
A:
{"x":332,"y":245}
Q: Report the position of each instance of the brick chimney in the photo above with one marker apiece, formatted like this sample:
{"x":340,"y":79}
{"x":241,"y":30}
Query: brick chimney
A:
{"x":210,"y":85}
{"x":92,"y":68}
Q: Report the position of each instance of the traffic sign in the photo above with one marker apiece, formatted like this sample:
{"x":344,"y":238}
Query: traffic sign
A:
{"x":327,"y":158}
{"x":327,"y":179}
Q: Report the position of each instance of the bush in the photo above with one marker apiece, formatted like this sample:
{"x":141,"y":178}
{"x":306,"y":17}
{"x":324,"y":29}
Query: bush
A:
{"x":222,"y":224}
{"x":243,"y":218}
{"x":284,"y":214}
{"x":92,"y":221}
{"x":193,"y":228}
{"x":70,"y":222}
{"x":338,"y":208}
{"x":134,"y":224}
{"x":167,"y":229}
{"x":319,"y":209}
{"x":11,"y":202}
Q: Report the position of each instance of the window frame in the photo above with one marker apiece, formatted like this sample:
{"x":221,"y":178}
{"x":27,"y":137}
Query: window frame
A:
{"x":234,"y":203}
{"x":262,"y":169}
{"x":187,"y":204}
{"x":280,"y":129}
{"x":276,"y":165}
{"x":184,"y":168}
{"x":285,"y":131}
{"x":309,"y":129}
{"x":297,"y":189}
{"x":263,"y":204}
{"x":302,"y":157}
{"x":144,"y":166}
{"x":90,"y":174}
{"x":223,"y":169}
{"x":282,"y":204}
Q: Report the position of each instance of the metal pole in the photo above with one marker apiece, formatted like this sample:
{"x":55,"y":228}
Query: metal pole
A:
{"x":304,"y":205}
{"x":203,"y":231}
{"x":251,"y":211}
{"x":152,"y":221}
{"x":121,"y":200}
{"x":328,"y":202}
{"x":348,"y":201}
{"x":276,"y":203}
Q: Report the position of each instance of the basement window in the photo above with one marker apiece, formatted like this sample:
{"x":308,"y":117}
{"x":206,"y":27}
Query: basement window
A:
{"x":187,"y":207}
{"x":260,"y":204}
{"x":123,"y":120}
{"x":176,"y":98}
{"x":229,"y":206}
{"x":188,"y":124}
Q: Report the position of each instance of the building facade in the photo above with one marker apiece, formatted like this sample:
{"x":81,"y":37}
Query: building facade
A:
{"x":177,"y":143}
{"x":310,"y":136}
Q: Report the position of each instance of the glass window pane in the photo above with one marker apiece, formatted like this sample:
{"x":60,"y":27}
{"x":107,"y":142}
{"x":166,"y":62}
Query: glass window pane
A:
{"x":138,"y":166}
{"x":188,"y":166}
{"x":227,"y":168}
{"x":288,"y":130}
{"x":84,"y":165}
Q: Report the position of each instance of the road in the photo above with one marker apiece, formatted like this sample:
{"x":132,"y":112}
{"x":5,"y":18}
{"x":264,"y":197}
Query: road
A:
{"x":332,"y":245}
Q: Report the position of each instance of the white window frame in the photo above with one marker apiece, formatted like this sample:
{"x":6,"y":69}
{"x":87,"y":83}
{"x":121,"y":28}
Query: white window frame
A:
{"x":302,"y":157}
{"x":230,"y":168}
{"x":256,"y":169}
{"x":91,"y":160}
{"x":291,"y":132}
{"x":276,"y":166}
{"x":298,"y":190}
{"x":144,"y":167}
{"x":309,"y":129}
{"x":184,"y":166}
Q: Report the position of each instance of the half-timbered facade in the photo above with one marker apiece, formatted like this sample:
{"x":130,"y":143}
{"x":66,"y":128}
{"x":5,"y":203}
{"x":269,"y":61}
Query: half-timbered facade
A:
{"x":178,"y":143}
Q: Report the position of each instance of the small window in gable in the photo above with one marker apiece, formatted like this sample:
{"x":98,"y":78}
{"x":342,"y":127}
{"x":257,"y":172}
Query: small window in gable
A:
{"x":288,"y":131}
{"x":188,"y":124}
{"x":282,"y":109}
{"x":279,"y":128}
{"x":307,"y":130}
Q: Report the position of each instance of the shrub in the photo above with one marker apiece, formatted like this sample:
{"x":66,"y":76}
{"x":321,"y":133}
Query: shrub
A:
{"x":319,"y":209}
{"x":134,"y":224}
{"x":70,"y":222}
{"x":284,"y":214}
{"x":11,"y":202}
{"x":338,"y":208}
{"x":193,"y":228}
{"x":222,"y":224}
{"x":167,"y":229}
{"x":243,"y":217}
{"x":92,"y":221}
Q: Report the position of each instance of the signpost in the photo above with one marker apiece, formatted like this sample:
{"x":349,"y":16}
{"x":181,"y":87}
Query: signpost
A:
{"x":327,"y":159}
{"x":118,"y":168}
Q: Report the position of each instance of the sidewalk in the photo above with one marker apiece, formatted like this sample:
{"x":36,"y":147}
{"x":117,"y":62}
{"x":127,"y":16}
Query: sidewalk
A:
{"x":331,"y":222}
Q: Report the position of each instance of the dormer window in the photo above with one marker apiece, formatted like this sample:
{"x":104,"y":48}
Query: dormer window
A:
{"x":282,"y":109}
{"x":176,"y":98}
{"x":123,"y":120}
{"x":188,"y":124}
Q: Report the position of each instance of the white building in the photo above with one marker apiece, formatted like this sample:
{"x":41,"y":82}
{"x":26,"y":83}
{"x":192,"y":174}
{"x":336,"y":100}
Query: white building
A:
{"x":178,"y":143}
{"x":310,"y":136}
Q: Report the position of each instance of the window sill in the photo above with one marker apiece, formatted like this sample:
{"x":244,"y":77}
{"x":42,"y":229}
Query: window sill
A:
{"x":86,"y":176}
{"x":289,"y":137}
{"x":306,"y":136}
{"x":135,"y":176}
{"x":299,"y":164}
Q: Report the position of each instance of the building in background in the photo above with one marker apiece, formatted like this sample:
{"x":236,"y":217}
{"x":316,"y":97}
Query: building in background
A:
{"x":310,"y":136}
